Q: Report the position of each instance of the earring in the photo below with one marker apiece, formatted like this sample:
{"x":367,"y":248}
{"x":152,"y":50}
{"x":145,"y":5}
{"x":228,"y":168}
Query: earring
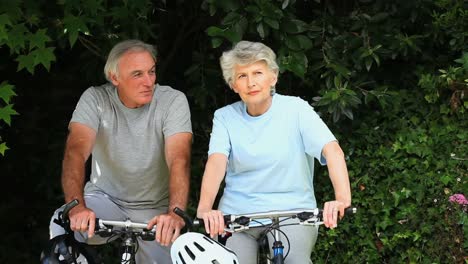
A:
{"x":272,"y":90}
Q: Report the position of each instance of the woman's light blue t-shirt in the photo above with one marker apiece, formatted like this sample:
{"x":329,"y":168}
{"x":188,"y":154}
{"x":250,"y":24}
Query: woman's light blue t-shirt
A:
{"x":271,"y":156}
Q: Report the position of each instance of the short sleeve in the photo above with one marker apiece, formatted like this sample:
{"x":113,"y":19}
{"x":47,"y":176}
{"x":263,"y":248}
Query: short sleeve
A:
{"x":315,"y":133}
{"x":219,"y":140}
{"x":178,"y":116}
{"x":87,"y":110}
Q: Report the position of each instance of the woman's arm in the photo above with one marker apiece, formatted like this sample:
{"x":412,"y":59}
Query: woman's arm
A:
{"x":215,"y":170}
{"x":340,"y":180}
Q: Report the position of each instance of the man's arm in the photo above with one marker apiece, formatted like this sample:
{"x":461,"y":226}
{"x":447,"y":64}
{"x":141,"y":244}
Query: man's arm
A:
{"x":78,"y":147}
{"x":177,"y":151}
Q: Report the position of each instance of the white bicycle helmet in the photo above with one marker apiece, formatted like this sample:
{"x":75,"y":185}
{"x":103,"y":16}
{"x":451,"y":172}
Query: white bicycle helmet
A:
{"x":196,"y":248}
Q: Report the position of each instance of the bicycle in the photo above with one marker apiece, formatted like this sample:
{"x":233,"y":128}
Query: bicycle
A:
{"x":65,"y":249}
{"x":240,"y":223}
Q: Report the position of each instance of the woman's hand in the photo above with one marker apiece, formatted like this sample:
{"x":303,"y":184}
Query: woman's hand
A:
{"x":214,"y":222}
{"x":333,"y":210}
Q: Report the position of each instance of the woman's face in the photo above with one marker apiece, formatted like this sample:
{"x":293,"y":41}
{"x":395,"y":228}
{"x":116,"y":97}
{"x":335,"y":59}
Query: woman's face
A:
{"x":253,"y":83}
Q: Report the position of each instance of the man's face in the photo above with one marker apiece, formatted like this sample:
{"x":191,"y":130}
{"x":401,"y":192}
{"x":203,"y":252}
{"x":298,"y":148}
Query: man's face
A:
{"x":136,"y":78}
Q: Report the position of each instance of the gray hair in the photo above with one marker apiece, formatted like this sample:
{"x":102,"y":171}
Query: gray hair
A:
{"x":120,"y":49}
{"x":244,"y":53}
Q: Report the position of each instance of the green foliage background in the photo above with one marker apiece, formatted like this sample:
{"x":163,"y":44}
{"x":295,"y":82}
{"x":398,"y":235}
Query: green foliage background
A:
{"x":389,"y":77}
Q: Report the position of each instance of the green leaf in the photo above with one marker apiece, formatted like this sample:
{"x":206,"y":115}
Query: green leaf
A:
{"x":231,"y":18}
{"x":463,"y":60}
{"x":4,"y":21}
{"x":240,"y":27}
{"x":214,"y":31}
{"x":3,"y":34}
{"x":369,"y":62}
{"x":304,"y":42}
{"x":26,"y":61}
{"x":299,"y":64}
{"x":3,"y":148}
{"x":72,"y":26}
{"x":216,"y":42}
{"x":316,"y":66}
{"x":38,"y":39}
{"x":212,"y":10}
{"x":293,"y":26}
{"x":260,"y":30}
{"x":17,"y":38}
{"x":376,"y":59}
{"x":6,"y":92}
{"x":233,"y":35}
{"x":340,"y":69}
{"x":6,"y":113}
{"x":271,"y":22}
{"x":252,"y":9}
{"x":349,"y":113}
{"x":337,"y":81}
{"x":445,"y":179}
{"x":314,"y":28}
{"x":13,"y":8}
{"x":292,"y":42}
{"x":44,"y":56}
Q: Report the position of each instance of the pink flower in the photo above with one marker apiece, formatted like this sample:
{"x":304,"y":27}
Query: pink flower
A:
{"x":459,"y":199}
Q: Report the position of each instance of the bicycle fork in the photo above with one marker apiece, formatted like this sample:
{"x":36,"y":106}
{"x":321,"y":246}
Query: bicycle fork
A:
{"x":128,"y":255}
{"x":278,"y":248}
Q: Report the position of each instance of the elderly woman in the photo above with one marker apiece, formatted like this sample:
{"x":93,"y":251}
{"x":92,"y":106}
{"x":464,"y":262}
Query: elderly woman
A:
{"x":265,"y":144}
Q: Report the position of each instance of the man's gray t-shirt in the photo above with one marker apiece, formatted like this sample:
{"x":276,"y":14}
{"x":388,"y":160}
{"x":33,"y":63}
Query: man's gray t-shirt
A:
{"x":128,"y":160}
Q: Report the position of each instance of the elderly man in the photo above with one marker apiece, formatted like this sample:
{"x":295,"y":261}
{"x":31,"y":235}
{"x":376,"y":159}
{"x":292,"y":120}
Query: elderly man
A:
{"x":139,"y":134}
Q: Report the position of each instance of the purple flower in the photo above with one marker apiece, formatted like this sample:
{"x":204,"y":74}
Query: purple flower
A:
{"x":459,"y":199}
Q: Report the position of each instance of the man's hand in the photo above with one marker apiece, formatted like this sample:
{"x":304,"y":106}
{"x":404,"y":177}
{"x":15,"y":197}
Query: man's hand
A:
{"x":168,"y":227}
{"x":82,"y":219}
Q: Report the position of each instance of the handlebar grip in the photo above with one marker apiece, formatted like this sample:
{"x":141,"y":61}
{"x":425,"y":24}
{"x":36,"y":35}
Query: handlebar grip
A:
{"x":68,"y":207}
{"x":184,"y":216}
{"x":228,"y":219}
{"x":350,"y":211}
{"x":96,"y":225}
{"x":200,"y":222}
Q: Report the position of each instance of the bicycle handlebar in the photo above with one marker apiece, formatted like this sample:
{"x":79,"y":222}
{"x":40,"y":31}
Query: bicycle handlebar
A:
{"x":107,"y":228}
{"x":241,"y":222}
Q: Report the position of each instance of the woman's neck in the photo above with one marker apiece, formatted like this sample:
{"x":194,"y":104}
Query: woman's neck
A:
{"x":259,"y":109}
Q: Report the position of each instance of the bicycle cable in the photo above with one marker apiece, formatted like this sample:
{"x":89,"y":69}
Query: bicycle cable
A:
{"x":270,"y":229}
